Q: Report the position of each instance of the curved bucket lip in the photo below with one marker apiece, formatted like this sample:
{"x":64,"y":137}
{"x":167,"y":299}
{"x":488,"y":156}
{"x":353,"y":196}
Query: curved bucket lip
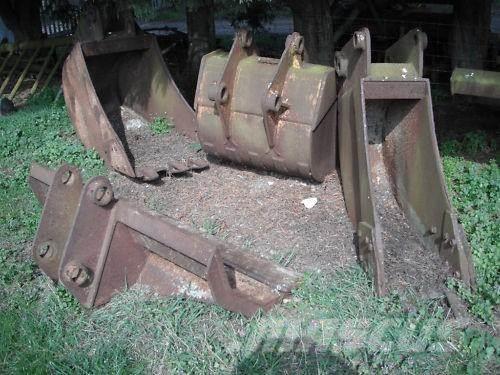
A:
{"x":91,"y":120}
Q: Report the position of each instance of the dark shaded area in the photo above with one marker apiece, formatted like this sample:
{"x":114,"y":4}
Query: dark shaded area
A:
{"x":106,"y":83}
{"x":456,"y":116}
{"x":313,"y":19}
{"x":22,"y":17}
{"x":200,"y":18}
{"x":471,"y":32}
{"x":174,"y":49}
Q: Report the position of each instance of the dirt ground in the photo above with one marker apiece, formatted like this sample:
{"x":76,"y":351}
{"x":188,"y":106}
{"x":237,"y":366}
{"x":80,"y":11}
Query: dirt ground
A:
{"x":408,"y":263}
{"x":263,"y":212}
{"x":258,"y":211}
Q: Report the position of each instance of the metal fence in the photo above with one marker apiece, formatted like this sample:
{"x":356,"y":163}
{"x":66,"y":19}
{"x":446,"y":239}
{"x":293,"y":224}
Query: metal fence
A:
{"x":57,"y":23}
{"x":438,"y":60}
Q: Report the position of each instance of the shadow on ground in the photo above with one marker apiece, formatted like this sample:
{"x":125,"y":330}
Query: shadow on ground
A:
{"x":300,"y":356}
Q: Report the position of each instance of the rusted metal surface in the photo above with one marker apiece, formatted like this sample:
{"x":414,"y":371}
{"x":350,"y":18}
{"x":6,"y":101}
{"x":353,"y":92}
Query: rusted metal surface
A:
{"x":389,"y":156}
{"x":57,"y":217}
{"x":100,"y":77}
{"x":475,"y":82}
{"x":221,"y":92}
{"x":271,"y":114}
{"x":409,"y":50}
{"x":272,"y":100}
{"x":97,"y":245}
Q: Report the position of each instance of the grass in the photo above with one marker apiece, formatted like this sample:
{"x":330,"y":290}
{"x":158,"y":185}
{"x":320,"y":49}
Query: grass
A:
{"x":333,"y":323}
{"x":475,"y":193}
{"x":161,"y":125}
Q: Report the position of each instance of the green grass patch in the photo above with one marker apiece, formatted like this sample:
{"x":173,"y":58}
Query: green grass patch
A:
{"x":161,"y":125}
{"x":196,"y":147}
{"x":333,"y":323}
{"x":475,"y":194}
{"x":41,"y":132}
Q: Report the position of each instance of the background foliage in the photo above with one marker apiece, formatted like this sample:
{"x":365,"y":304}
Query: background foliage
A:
{"x":475,"y":193}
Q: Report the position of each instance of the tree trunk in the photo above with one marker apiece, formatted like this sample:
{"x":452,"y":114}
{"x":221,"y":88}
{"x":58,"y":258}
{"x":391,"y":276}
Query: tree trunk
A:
{"x":313,"y":20}
{"x":200,"y":21}
{"x":471,"y":29}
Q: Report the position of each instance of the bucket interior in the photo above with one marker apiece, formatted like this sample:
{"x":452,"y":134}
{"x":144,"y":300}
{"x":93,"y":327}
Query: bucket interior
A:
{"x":105,"y":72}
{"x":394,"y":132}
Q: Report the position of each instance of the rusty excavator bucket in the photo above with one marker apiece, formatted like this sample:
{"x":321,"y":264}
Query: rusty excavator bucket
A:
{"x":97,"y":245}
{"x":280,"y":115}
{"x":390,"y":167}
{"x":104,"y":80}
{"x":270,"y":114}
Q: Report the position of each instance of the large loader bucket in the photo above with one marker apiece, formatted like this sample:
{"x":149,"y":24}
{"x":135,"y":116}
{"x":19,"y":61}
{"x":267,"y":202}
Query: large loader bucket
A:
{"x":96,"y":246}
{"x":271,"y":114}
{"x":390,"y":166}
{"x":100,"y":78}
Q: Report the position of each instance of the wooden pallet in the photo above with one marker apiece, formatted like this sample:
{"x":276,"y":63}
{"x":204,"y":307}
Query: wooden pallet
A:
{"x":31,"y":64}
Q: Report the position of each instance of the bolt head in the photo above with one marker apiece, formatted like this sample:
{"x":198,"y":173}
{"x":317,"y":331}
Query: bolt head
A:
{"x":76,"y":273}
{"x":72,"y":271}
{"x":102,"y":193}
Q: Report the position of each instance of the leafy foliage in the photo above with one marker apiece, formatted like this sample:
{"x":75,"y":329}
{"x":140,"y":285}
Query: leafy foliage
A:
{"x":40,"y":133}
{"x":475,"y":193}
{"x":247,"y":13}
{"x":161,"y":125}
{"x":479,"y":347}
{"x":145,"y":11}
{"x":239,"y":13}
